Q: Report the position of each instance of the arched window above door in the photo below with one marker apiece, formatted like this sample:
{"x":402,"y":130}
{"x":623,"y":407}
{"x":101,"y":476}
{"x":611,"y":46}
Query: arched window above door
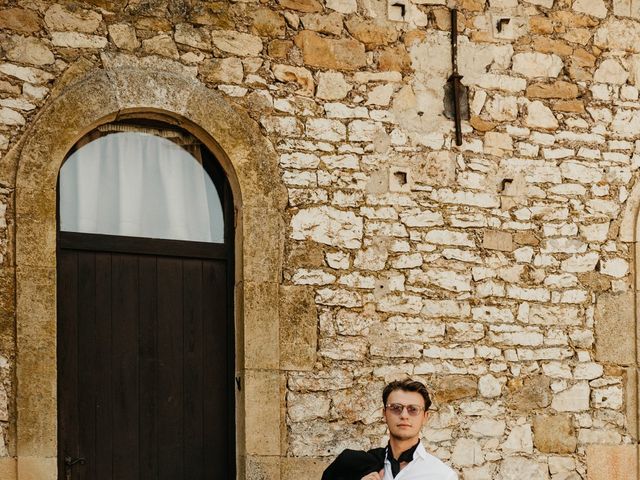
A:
{"x":136,"y":182}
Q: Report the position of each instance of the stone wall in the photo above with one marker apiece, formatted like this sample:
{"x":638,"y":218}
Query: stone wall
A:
{"x":499,"y":272}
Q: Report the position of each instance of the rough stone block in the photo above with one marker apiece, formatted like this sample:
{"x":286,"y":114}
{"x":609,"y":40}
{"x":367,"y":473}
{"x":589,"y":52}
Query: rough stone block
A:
{"x":8,"y":469}
{"x":614,"y":327}
{"x":529,"y":394}
{"x":262,"y":412}
{"x":262,"y":468}
{"x":36,"y":242}
{"x":20,"y":20}
{"x":558,"y":89}
{"x":631,"y":400}
{"x":298,"y":468}
{"x":554,"y":434}
{"x":298,"y":328}
{"x":455,"y":387}
{"x":266,"y":238}
{"x":343,"y":54}
{"x":261,"y":345}
{"x":435,"y":168}
{"x":612,"y":462}
{"x":496,"y":240}
{"x":37,"y":468}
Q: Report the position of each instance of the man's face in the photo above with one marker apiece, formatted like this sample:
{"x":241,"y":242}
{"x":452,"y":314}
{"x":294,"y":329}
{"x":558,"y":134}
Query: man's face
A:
{"x":405,"y":426}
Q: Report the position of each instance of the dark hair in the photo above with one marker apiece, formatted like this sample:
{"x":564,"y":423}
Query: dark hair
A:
{"x":407,"y":385}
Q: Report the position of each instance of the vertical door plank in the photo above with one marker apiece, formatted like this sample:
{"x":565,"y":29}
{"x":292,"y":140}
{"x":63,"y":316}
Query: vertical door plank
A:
{"x":104,"y":445}
{"x":216,"y":386}
{"x":124,"y":305}
{"x":148,"y":367}
{"x":67,"y":357}
{"x":193,"y":369}
{"x":87,"y":380}
{"x":170,"y":370}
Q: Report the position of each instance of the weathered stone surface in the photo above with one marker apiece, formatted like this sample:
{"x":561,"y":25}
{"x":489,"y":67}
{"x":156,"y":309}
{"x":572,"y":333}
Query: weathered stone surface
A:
{"x":161,"y":45}
{"x":186,"y":34}
{"x":596,"y":8}
{"x":554,"y":434}
{"x":28,"y":50}
{"x":124,"y":36}
{"x":306,"y":6}
{"x":618,"y":34}
{"x":573,"y":399}
{"x":77,"y":40}
{"x":260,"y":467}
{"x":328,"y":225}
{"x":536,"y":64}
{"x":262,"y":412}
{"x":20,"y":20}
{"x":394,"y":58}
{"x":610,"y":71}
{"x":614,"y":314}
{"x":332,"y":86}
{"x":60,"y":18}
{"x":540,"y":116}
{"x":496,"y":240}
{"x":236,"y":43}
{"x":525,"y":395}
{"x":372,"y":33}
{"x":613,"y":462}
{"x":516,"y":468}
{"x":342,"y":6}
{"x":226,"y":70}
{"x":558,"y":89}
{"x":8,"y":468}
{"x":455,"y":387}
{"x":267,"y":23}
{"x":298,"y":337}
{"x":520,"y":440}
{"x":299,"y":75}
{"x":279,"y":48}
{"x":296,"y":468}
{"x":323,"y":23}
{"x":343,"y":54}
{"x":467,"y":452}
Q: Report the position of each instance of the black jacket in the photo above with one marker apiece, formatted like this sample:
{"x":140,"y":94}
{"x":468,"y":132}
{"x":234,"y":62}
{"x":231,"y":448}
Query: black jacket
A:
{"x":355,"y":464}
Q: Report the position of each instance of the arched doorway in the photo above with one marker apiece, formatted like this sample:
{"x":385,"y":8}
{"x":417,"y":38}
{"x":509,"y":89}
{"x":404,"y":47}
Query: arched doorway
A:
{"x":251,"y":166}
{"x":145,"y":335}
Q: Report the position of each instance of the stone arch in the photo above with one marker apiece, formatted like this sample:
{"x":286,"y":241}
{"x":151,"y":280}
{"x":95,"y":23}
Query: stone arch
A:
{"x":251,"y":166}
{"x":618,"y":342}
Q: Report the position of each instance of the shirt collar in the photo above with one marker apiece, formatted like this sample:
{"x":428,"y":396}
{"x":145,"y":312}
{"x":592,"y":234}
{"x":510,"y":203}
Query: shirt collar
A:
{"x":420,"y":451}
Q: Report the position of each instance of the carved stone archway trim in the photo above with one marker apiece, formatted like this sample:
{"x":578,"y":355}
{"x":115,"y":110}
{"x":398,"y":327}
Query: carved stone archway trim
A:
{"x":625,"y":312}
{"x":251,"y":165}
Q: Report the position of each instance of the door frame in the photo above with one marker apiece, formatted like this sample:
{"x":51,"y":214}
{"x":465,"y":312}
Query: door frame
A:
{"x":174,"y":248}
{"x":251,"y":166}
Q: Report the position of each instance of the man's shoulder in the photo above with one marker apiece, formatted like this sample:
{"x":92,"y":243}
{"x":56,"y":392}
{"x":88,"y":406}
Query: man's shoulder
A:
{"x":436,"y":466}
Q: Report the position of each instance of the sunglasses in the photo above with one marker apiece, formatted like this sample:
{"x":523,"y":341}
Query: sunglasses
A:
{"x":397,"y":408}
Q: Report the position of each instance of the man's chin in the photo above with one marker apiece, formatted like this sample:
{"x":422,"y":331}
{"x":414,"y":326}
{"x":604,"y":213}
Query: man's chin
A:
{"x":403,"y":435}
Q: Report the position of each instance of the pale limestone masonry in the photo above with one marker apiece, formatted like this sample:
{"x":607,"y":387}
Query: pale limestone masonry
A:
{"x":501,"y":272}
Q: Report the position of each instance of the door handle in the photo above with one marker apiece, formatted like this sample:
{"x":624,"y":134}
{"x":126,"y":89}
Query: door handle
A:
{"x":70,"y":462}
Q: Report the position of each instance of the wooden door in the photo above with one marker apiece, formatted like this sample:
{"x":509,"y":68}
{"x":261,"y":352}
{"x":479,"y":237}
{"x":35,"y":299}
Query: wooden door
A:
{"x":145,"y":359}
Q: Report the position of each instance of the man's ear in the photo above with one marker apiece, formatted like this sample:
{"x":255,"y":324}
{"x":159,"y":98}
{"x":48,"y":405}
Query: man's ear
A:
{"x":426,"y":417}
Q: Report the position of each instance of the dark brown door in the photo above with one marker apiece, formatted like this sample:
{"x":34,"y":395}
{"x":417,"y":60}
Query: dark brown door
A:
{"x":145,"y":359}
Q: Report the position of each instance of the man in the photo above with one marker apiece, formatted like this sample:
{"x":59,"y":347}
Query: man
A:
{"x":405,"y":411}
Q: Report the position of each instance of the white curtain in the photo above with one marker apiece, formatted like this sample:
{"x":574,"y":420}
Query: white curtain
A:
{"x":139,"y":185}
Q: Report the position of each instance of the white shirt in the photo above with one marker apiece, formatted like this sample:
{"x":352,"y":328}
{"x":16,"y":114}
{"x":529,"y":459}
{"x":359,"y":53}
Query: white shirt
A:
{"x":424,"y":466}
